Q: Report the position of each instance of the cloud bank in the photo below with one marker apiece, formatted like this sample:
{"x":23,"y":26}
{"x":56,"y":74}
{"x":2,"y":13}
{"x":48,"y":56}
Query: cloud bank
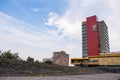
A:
{"x":30,"y":40}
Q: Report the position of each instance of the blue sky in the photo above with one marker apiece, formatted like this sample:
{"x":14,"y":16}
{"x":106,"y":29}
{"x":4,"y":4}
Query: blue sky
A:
{"x":32,"y":11}
{"x":37,"y":28}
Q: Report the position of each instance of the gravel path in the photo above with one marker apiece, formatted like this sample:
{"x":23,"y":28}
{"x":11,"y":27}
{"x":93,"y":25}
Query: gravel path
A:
{"x":108,"y":76}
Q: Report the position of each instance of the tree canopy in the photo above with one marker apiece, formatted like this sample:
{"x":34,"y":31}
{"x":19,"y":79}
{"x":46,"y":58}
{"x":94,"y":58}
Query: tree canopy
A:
{"x":9,"y":55}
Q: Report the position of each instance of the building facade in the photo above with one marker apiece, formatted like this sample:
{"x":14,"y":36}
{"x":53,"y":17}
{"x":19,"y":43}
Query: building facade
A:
{"x":105,"y":59}
{"x":94,"y":37}
{"x":61,"y":58}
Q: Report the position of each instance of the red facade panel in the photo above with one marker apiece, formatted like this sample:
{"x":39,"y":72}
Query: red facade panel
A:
{"x":92,"y":36}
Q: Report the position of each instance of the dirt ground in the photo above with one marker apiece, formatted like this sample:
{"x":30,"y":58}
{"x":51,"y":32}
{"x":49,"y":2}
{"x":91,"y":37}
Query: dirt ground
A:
{"x":106,"y":76}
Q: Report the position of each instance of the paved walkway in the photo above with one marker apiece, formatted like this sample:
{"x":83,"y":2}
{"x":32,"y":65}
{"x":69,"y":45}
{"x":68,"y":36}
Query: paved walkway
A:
{"x":108,"y":76}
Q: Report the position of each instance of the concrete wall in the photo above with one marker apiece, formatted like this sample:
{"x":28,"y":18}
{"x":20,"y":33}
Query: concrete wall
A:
{"x":103,"y":37}
{"x":107,"y":60}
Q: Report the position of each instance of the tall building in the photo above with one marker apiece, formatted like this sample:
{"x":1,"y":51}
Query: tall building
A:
{"x":95,"y":45}
{"x":94,"y":37}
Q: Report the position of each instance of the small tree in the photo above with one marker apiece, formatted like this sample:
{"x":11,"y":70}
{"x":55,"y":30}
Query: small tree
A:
{"x":9,"y":55}
{"x":37,"y":61}
{"x":0,"y":52}
{"x":48,"y":62}
{"x":29,"y":59}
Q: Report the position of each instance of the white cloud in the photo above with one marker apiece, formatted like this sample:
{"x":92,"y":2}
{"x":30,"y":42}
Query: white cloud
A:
{"x":36,"y":9}
{"x":113,"y":20}
{"x":52,"y":18}
{"x":68,"y":27}
{"x":86,"y":3}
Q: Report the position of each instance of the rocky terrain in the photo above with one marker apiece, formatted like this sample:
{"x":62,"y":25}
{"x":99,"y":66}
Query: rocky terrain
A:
{"x":12,"y":65}
{"x":24,"y":68}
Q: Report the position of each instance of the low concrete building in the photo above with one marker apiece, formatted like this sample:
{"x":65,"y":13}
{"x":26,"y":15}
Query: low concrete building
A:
{"x":61,"y":58}
{"x":108,"y":59}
